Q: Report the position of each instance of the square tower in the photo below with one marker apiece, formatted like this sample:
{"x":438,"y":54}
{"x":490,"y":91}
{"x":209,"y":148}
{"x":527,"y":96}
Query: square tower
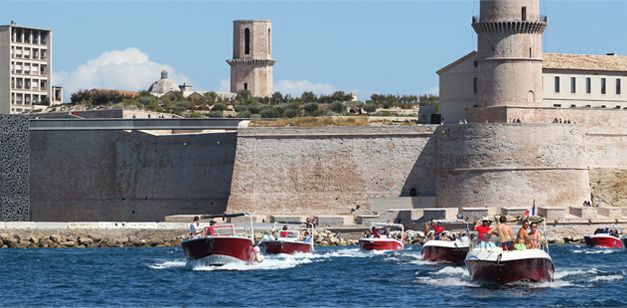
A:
{"x":251,"y":66}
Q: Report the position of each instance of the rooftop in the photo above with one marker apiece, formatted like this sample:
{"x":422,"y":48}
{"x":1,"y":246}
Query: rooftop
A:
{"x":613,"y":63}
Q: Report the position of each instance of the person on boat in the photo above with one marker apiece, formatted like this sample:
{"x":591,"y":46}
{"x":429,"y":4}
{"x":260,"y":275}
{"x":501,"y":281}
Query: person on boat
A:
{"x":485,"y":232}
{"x":506,"y":236}
{"x":374,"y":232}
{"x":211,"y":230}
{"x":535,"y":237}
{"x":306,"y":237}
{"x":194,"y":227}
{"x":267,"y":237}
{"x":522,"y":238}
{"x":284,"y":232}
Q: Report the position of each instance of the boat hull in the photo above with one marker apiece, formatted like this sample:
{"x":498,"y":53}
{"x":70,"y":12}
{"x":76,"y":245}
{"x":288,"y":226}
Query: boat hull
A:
{"x":444,"y":253}
{"x":508,"y":269}
{"x":379,"y":244}
{"x":605,"y":241}
{"x":217,"y":251}
{"x":286,"y":247}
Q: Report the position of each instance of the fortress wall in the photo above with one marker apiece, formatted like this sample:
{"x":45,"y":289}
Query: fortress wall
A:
{"x":330,"y":170}
{"x":494,"y":165}
{"x":591,"y":118}
{"x":122,"y":176}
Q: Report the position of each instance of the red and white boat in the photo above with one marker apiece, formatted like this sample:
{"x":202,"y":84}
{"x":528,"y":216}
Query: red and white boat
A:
{"x":496,"y":266}
{"x":379,"y":240}
{"x":287,"y":242}
{"x":221,"y":244}
{"x":445,"y":251}
{"x":606,"y":238}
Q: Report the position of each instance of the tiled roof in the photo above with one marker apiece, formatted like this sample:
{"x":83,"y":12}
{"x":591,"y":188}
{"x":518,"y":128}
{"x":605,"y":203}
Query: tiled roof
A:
{"x":613,"y":63}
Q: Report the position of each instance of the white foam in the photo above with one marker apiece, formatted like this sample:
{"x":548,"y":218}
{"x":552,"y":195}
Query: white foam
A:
{"x":447,"y":281}
{"x":564,"y":273}
{"x":266,"y":264}
{"x":452,"y":271}
{"x":168,"y":264}
{"x":595,"y":251}
{"x":607,"y":278}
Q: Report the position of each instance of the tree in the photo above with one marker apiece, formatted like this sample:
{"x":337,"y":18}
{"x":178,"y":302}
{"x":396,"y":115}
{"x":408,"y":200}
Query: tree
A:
{"x":370,"y":108}
{"x":290,"y":113}
{"x":308,"y":97}
{"x":219,"y":107}
{"x":338,"y":107}
{"x":311,"y":107}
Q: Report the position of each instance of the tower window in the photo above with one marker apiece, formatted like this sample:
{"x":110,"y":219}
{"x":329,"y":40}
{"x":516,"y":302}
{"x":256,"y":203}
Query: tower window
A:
{"x":474,"y":85}
{"x":557,"y":84}
{"x":247,"y":41}
{"x":588,"y":85}
{"x":269,"y":41}
{"x":524,"y":13}
{"x":602,"y":85}
{"x":573,"y":85}
{"x":617,"y":86}
{"x":245,"y":86}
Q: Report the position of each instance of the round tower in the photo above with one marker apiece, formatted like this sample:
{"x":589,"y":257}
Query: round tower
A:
{"x":509,"y":59}
{"x":251,"y":66}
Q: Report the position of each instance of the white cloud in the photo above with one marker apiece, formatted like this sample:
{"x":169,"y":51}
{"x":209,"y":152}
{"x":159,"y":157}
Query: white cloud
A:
{"x":297,"y":87}
{"x":129,"y":69}
{"x":224,"y":85}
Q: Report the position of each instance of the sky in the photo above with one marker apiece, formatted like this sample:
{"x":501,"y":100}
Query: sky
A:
{"x":365,"y":47}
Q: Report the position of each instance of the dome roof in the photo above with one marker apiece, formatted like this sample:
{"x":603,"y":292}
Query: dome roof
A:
{"x":163,"y":85}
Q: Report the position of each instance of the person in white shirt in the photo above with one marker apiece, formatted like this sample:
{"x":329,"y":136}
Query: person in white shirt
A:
{"x":194,"y":227}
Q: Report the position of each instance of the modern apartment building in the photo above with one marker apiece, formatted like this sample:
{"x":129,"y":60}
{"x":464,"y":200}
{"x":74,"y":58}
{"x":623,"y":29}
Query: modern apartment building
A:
{"x":25,"y":69}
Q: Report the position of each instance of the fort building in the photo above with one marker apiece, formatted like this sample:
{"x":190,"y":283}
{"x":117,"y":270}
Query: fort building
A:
{"x":251,"y":65}
{"x":25,"y":69}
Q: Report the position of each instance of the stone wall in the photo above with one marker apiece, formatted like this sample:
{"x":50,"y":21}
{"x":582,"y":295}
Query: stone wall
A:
{"x":492,"y":165}
{"x":122,"y":176}
{"x":14,"y":168}
{"x":331,"y":170}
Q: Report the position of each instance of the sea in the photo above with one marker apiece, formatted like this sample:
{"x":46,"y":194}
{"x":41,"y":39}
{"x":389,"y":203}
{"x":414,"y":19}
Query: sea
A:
{"x":338,"y":276}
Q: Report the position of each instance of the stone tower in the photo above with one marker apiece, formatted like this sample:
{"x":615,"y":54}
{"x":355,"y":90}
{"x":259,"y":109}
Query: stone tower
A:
{"x":251,"y":66}
{"x":509,"y":60}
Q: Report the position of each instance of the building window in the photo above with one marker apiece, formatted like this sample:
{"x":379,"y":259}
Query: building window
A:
{"x":269,"y":42}
{"x":247,"y":41}
{"x":245,"y":86}
{"x":524,"y":13}
{"x":557,"y":84}
{"x":602,"y":85}
{"x":573,"y":85}
{"x":588,"y":85}
{"x":474,"y":85}
{"x":617,"y":86}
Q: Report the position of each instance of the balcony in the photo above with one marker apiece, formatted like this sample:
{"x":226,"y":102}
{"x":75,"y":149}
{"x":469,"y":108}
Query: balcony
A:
{"x":542,"y":18}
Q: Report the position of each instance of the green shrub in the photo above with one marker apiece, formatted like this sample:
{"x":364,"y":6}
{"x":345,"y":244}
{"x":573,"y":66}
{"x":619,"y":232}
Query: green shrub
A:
{"x":311,"y":107}
{"x":219,"y":107}
{"x":244,"y":114}
{"x":269,"y":113}
{"x":216,"y":114}
{"x":255,"y":116}
{"x":338,"y":107}
{"x":370,"y":107}
{"x":290,"y":113}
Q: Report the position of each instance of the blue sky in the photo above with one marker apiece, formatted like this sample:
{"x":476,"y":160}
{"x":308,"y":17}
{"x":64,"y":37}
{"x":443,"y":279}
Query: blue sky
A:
{"x":361,"y":46}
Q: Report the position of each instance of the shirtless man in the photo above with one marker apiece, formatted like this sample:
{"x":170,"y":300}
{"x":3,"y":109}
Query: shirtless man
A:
{"x":535,"y":237}
{"x":522,"y":240}
{"x":506,"y":236}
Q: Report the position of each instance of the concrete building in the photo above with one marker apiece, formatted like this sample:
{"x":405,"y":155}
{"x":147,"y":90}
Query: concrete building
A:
{"x":569,"y":81}
{"x":25,"y":68}
{"x":251,"y":66}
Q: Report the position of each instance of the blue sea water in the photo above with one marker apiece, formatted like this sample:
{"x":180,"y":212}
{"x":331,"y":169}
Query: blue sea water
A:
{"x":332,"y":277}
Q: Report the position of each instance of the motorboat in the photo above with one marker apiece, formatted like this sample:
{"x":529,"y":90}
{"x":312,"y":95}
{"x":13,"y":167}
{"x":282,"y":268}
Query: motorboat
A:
{"x":605,"y":238}
{"x":489,"y":264}
{"x":287,"y":241}
{"x":221,"y":244}
{"x":446,"y":251}
{"x":379,"y":238}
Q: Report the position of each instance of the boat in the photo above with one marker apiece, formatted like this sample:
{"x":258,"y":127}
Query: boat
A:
{"x":605,"y":238}
{"x":445,"y":251}
{"x":489,"y":264}
{"x":380,"y":239}
{"x":287,"y":242}
{"x":221,"y":244}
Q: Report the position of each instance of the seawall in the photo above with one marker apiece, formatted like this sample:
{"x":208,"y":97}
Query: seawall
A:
{"x":330,"y":170}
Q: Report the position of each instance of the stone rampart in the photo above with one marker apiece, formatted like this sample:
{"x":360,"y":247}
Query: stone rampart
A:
{"x":494,"y":165}
{"x":14,"y":168}
{"x":330,"y":170}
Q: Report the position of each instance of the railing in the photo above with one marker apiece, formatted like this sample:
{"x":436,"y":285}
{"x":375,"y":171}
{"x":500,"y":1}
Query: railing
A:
{"x":540,"y":18}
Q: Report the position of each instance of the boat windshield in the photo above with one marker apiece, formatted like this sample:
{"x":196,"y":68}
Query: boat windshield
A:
{"x":225,"y":230}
